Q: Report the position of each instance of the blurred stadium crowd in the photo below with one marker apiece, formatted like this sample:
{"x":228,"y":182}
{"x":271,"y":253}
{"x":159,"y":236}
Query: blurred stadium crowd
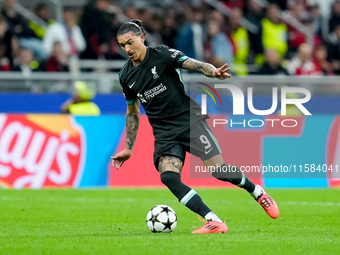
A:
{"x":268,"y":37}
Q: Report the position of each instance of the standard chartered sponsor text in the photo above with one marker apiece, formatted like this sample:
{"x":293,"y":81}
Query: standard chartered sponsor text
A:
{"x":154,"y":91}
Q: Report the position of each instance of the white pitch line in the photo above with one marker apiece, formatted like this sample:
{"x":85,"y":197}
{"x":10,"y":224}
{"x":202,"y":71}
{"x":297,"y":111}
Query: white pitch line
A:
{"x":134,"y":200}
{"x":77,"y":199}
{"x":309,"y":203}
{"x":71,"y":199}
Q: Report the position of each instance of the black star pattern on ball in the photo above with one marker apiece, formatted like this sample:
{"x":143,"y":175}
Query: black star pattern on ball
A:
{"x":166,"y":209}
{"x":154,"y":218}
{"x":167,"y":225}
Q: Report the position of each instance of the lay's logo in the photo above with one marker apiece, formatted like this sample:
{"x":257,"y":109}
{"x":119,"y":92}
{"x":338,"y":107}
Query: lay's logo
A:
{"x":40,"y":151}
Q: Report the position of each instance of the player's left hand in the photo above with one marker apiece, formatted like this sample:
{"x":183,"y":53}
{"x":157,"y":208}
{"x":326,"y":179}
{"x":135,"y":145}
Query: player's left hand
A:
{"x":222,"y":72}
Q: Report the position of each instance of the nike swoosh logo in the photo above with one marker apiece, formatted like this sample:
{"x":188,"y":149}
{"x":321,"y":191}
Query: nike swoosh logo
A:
{"x":206,"y":152}
{"x":130,"y":86}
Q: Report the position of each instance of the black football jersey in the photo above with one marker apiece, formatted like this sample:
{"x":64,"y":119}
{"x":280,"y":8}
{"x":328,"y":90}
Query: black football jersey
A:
{"x":157,"y":83}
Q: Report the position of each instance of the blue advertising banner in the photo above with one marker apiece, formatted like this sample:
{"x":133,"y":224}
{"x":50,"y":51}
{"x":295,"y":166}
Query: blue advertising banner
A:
{"x":51,"y":151}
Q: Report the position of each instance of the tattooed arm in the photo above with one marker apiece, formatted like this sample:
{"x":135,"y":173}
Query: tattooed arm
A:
{"x":132,"y":125}
{"x":207,"y":69}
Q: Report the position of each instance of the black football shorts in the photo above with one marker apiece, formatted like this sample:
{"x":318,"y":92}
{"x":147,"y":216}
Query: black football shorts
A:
{"x":197,"y":140}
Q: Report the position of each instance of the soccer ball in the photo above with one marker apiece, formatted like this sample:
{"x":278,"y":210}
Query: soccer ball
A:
{"x":161,"y":219}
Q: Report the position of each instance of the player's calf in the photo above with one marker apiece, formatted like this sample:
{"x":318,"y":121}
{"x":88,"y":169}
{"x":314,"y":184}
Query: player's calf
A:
{"x":234,"y":175}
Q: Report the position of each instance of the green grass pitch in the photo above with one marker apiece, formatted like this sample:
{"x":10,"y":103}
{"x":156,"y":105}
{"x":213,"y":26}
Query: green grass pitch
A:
{"x":112,"y":221}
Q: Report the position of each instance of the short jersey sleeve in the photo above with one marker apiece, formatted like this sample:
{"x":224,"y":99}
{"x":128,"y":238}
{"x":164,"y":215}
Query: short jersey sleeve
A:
{"x":129,"y":96}
{"x":175,"y":57}
{"x":130,"y":100}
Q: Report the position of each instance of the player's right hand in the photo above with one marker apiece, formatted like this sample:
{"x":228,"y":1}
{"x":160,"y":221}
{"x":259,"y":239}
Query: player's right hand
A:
{"x":120,"y":158}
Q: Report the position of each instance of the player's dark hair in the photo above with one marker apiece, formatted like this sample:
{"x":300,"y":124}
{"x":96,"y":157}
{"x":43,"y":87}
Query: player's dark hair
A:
{"x":135,"y":26}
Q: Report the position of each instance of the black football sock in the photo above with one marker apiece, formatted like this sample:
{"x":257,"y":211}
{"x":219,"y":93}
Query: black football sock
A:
{"x":184,"y":194}
{"x":234,"y":175}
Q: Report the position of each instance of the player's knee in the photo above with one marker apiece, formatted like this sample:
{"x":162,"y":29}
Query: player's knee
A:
{"x":169,"y":178}
{"x":170,"y":163}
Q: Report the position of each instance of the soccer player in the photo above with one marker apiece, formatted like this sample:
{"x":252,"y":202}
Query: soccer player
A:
{"x":151,"y":76}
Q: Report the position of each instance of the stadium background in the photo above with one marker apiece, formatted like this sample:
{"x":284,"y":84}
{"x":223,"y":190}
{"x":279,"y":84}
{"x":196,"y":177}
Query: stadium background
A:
{"x":75,"y":151}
